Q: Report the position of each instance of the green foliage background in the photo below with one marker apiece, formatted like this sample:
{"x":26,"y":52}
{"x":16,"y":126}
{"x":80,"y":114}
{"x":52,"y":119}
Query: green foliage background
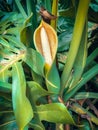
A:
{"x":26,"y":100}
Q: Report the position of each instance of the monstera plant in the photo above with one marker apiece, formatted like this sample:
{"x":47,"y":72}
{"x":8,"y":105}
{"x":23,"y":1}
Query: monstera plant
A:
{"x":45,"y":64}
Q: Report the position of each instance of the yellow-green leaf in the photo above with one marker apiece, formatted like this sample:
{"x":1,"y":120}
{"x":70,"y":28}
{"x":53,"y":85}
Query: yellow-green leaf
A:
{"x":21,"y":105}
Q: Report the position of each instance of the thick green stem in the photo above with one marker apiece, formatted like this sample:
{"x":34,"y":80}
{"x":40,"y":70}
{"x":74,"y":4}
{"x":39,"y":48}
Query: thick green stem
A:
{"x":77,"y":34}
{"x":54,"y":12}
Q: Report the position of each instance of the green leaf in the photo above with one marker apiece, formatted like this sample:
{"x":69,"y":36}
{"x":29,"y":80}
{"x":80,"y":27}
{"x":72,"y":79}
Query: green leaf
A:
{"x":80,"y":110}
{"x":36,"y":91}
{"x":92,"y":56}
{"x":5,"y":85}
{"x":94,"y":6}
{"x":85,"y":95}
{"x":5,"y":103}
{"x":65,"y":39}
{"x":11,"y":59}
{"x":21,"y":9}
{"x":26,"y":32}
{"x":5,"y":94}
{"x":53,"y":80}
{"x":80,"y":61}
{"x":69,"y":12}
{"x":37,"y":78}
{"x":10,"y":53}
{"x":86,"y":125}
{"x":36,"y":124}
{"x":7,"y":120}
{"x":76,"y":40}
{"x":35,"y":61}
{"x":26,"y":36}
{"x":85,"y":78}
{"x":20,"y":102}
{"x":55,"y":112}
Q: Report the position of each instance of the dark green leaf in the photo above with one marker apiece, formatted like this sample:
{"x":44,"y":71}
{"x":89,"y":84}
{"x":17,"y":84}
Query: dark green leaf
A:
{"x":53,"y":80}
{"x":7,"y":121}
{"x":85,"y":95}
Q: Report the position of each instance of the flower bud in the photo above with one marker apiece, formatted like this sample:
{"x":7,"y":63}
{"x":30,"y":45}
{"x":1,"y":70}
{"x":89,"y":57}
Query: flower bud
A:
{"x":45,"y":40}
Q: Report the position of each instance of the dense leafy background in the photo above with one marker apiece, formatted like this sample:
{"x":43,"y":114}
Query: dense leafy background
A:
{"x":25,"y":97}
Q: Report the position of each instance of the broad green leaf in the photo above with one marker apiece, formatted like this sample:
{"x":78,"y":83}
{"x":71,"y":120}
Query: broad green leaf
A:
{"x":53,"y":80}
{"x":35,"y":61}
{"x":55,"y":112}
{"x":21,"y":105}
{"x":10,"y":53}
{"x":36,"y":91}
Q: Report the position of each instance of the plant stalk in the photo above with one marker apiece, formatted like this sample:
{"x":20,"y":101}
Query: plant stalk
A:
{"x":54,"y":12}
{"x":76,"y":39}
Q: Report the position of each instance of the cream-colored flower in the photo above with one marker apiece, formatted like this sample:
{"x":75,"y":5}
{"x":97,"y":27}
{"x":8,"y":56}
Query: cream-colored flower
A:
{"x":45,"y":40}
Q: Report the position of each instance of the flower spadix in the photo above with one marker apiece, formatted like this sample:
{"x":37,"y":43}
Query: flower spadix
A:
{"x":45,"y":40}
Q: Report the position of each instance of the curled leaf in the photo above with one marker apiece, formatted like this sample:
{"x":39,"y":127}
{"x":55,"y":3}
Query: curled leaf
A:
{"x":45,"y":40}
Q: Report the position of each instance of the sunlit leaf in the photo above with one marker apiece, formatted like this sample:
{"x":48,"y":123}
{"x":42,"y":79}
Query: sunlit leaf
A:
{"x":55,"y":112}
{"x":21,"y":103}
